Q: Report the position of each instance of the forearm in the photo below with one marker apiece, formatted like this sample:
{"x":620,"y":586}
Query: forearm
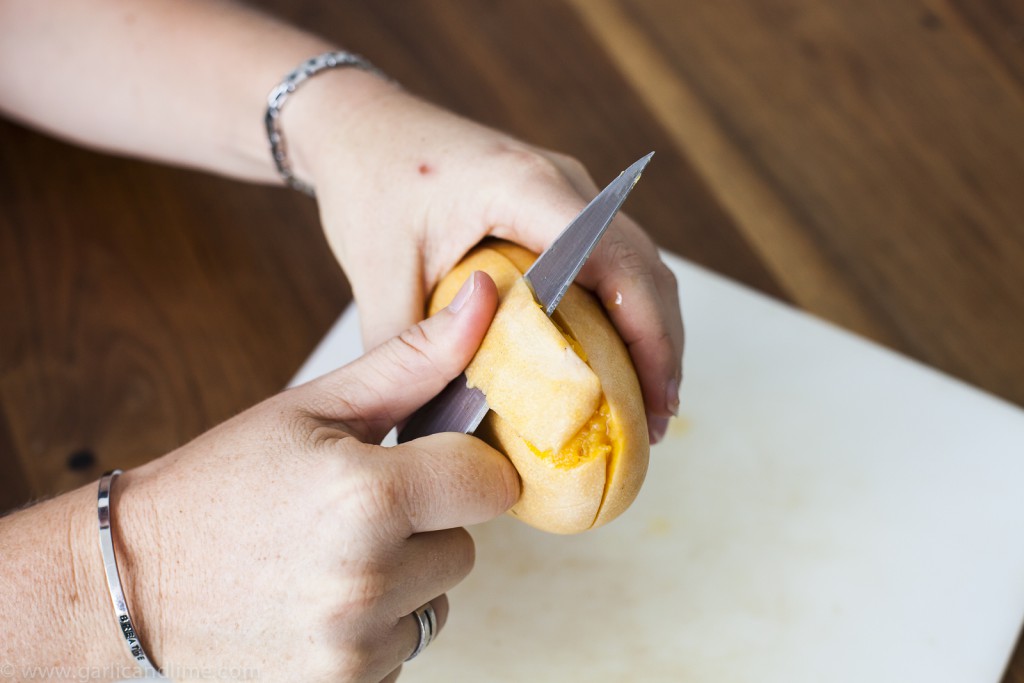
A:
{"x":54,"y":607}
{"x":179,"y":81}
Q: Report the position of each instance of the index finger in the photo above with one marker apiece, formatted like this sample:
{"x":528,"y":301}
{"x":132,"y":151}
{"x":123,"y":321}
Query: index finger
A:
{"x":444,"y":481}
{"x":641,"y":297}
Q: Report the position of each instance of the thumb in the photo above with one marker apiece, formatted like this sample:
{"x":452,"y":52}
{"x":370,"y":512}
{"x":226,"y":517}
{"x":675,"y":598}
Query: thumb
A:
{"x":374,"y":393}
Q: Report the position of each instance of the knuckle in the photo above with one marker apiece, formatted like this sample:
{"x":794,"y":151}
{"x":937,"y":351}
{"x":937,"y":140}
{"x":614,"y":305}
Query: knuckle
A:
{"x":462,"y":555}
{"x":416,"y":334}
{"x":570,"y":165}
{"x":626,"y":259}
{"x":654,"y":343}
{"x":533,"y":164}
{"x":416,"y":339}
{"x":382,"y":506}
{"x":662,"y":339}
{"x":368,"y":495}
{"x":412,"y":350}
{"x":666,"y":277}
{"x":369,"y":589}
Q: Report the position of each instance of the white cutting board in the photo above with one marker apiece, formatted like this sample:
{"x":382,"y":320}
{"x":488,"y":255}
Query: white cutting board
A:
{"x":824,"y":510}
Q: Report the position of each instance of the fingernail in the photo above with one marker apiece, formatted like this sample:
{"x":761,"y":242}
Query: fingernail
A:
{"x":464,"y":294}
{"x":672,"y":395}
{"x":657,"y":426}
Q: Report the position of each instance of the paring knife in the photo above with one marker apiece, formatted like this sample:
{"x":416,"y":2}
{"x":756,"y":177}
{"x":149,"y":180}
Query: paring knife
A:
{"x":459,"y":408}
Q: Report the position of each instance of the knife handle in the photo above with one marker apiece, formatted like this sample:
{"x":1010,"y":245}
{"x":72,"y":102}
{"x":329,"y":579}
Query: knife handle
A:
{"x":458,"y":408}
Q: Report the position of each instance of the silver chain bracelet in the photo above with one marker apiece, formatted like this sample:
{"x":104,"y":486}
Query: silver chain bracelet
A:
{"x":279,"y":95}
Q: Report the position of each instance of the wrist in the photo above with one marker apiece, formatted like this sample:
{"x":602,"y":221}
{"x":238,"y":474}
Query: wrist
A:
{"x":55,"y":609}
{"x":90,"y":619}
{"x":321,"y":116}
{"x":129,"y":526}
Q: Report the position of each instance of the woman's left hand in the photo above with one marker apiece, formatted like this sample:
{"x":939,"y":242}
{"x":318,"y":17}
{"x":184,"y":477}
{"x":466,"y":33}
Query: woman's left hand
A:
{"x":406,"y":189}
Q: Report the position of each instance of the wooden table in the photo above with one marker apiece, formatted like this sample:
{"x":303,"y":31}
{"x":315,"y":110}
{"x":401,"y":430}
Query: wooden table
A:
{"x":862,"y":159}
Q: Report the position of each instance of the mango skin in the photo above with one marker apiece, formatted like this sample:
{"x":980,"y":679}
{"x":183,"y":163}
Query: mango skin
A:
{"x":562,"y":499}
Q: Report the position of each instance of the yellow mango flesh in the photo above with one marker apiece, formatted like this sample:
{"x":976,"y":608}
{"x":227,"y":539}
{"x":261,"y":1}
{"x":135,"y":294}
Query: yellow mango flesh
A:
{"x":591,"y":442}
{"x":531,"y":374}
{"x":585,"y":477}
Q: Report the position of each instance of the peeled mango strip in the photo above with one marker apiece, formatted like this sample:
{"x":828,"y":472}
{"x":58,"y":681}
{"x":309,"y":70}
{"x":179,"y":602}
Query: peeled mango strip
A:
{"x":531,"y":375}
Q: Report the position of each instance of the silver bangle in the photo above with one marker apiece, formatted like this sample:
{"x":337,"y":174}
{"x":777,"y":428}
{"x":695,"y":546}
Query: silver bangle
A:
{"x":124,"y":620}
{"x":278,"y":96}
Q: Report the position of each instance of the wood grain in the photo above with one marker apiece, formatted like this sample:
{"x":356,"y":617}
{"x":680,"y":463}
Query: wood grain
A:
{"x":881,"y":149}
{"x":769,"y":225}
{"x":994,"y":29}
{"x":862,"y":159}
{"x":146,"y":305}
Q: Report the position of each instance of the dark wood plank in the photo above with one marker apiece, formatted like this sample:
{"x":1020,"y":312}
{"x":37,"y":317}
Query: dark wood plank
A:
{"x":772,"y":228}
{"x":1015,"y":667}
{"x":14,"y":489}
{"x":896,"y":144}
{"x":997,"y":24}
{"x":143,"y":305}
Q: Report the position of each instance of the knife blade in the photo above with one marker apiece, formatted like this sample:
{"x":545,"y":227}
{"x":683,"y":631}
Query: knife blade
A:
{"x":460,"y":408}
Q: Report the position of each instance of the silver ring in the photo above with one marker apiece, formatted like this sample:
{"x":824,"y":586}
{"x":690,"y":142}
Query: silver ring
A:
{"x":426,"y":620}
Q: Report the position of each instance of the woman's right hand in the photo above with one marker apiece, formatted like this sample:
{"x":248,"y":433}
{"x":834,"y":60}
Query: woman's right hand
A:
{"x":285,"y":542}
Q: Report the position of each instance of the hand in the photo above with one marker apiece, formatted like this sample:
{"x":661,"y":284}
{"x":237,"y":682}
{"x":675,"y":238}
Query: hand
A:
{"x":284,"y":541}
{"x":406,"y":189}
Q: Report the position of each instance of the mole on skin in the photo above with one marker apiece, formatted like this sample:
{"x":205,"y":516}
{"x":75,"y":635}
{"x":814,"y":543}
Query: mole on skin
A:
{"x":425,"y":169}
